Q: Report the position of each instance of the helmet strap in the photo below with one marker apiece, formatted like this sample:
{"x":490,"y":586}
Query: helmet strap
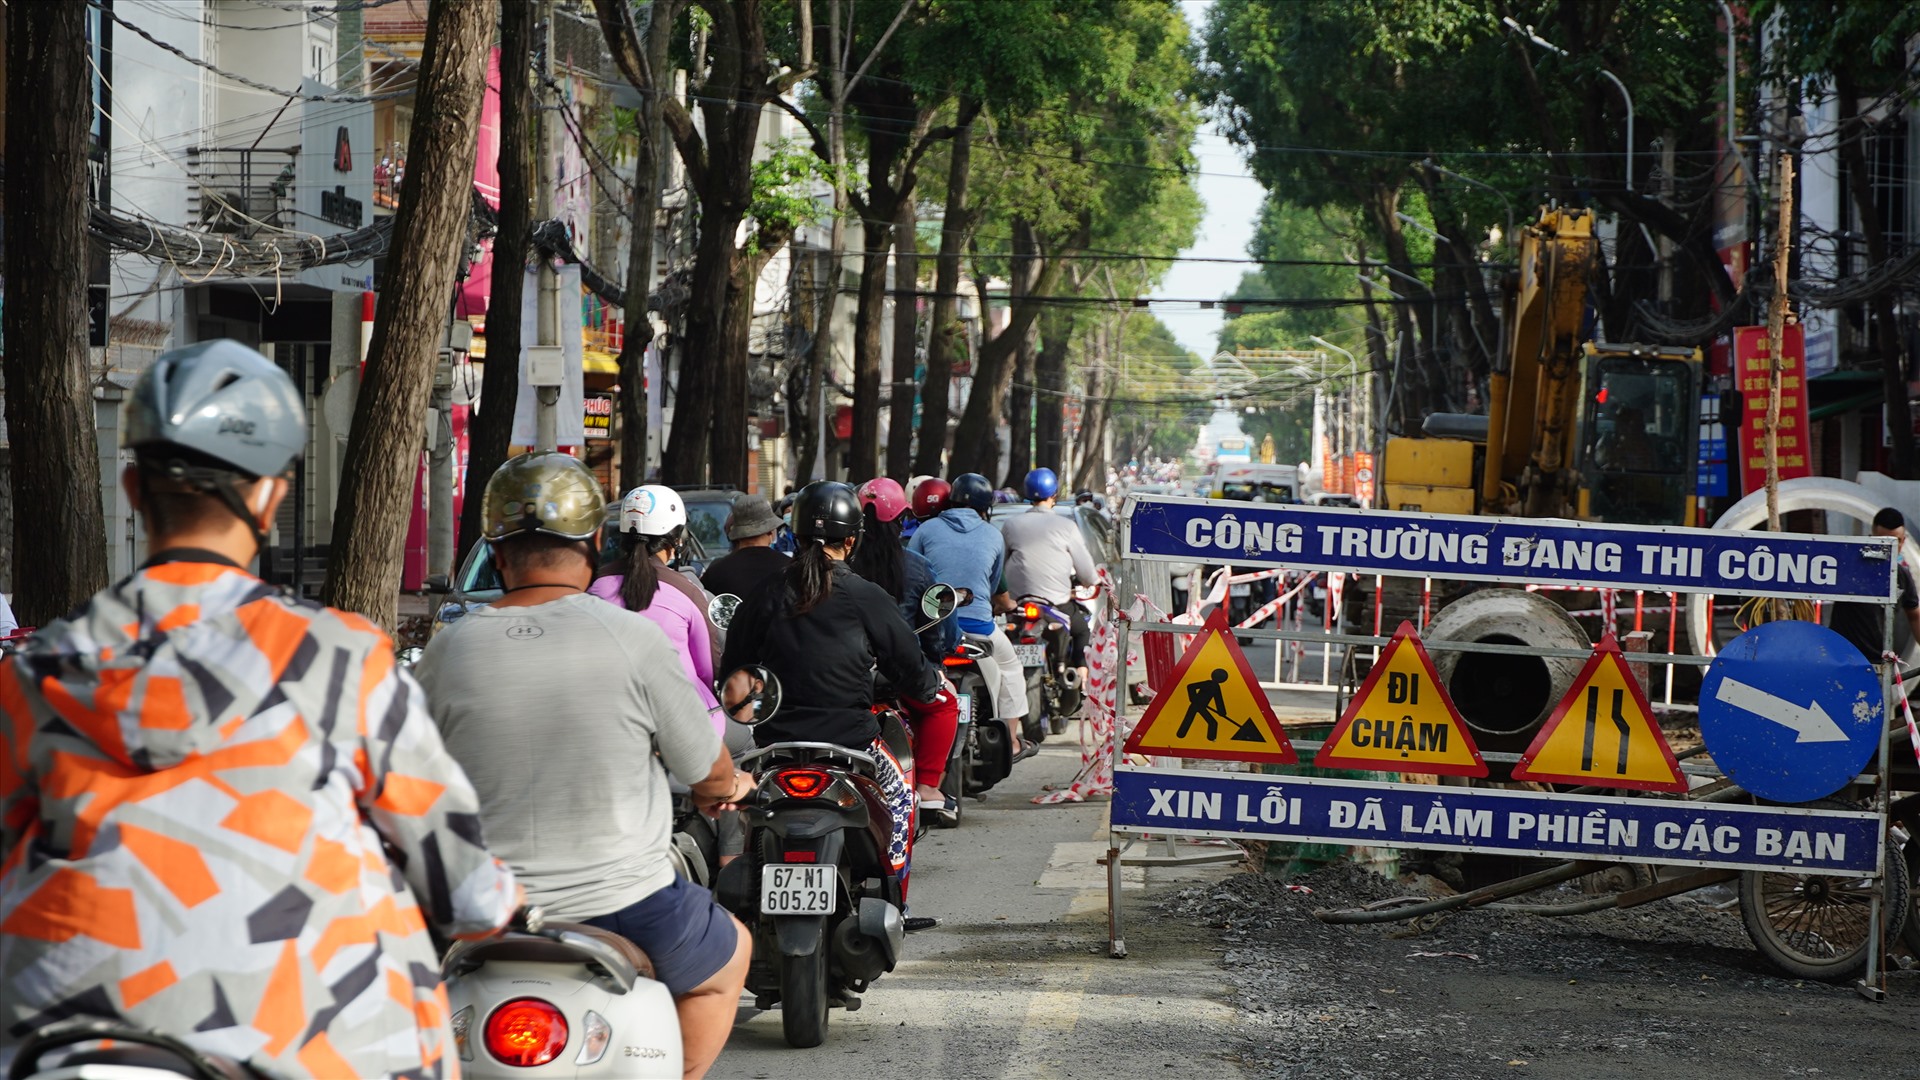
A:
{"x":221,"y":484}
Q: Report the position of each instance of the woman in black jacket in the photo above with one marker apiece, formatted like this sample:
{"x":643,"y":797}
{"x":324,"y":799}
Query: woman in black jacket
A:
{"x":823,"y":630}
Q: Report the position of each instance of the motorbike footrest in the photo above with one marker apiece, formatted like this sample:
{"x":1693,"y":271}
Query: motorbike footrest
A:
{"x":849,"y":1002}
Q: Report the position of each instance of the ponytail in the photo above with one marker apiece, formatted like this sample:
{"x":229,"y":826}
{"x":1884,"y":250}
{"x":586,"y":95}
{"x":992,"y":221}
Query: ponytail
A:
{"x":637,"y":568}
{"x":810,"y":578}
{"x":878,"y":556}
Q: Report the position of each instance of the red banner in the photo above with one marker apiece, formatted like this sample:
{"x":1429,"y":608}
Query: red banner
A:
{"x":1750,"y":363}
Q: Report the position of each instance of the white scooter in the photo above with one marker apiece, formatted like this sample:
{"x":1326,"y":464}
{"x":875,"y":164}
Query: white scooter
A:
{"x":556,"y":999}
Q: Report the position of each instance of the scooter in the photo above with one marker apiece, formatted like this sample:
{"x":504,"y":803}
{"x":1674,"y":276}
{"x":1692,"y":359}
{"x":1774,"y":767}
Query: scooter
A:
{"x":983,"y":749}
{"x":566,"y":999}
{"x":1039,"y":633}
{"x":120,"y":1053}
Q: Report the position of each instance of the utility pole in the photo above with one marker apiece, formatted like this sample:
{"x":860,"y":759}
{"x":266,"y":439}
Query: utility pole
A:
{"x":440,"y":522}
{"x":546,"y":364}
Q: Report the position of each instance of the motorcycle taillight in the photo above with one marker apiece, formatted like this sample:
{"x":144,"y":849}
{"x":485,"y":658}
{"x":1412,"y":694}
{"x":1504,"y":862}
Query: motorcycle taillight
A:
{"x":1030,"y":612}
{"x":526,"y":1032}
{"x":802,"y":783}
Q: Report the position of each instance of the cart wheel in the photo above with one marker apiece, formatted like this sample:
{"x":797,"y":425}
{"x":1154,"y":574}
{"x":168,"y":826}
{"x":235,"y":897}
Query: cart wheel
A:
{"x":1618,"y":878}
{"x":1816,"y":926}
{"x":1910,"y":933}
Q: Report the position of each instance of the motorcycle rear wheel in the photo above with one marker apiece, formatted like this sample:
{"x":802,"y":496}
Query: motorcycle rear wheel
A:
{"x":1033,"y":726}
{"x":803,"y":998}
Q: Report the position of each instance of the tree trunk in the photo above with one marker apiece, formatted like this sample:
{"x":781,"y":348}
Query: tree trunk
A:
{"x":1091,"y":475}
{"x":863,"y":453}
{"x":1050,"y":395}
{"x":906,"y":338}
{"x":1020,"y":412}
{"x":945,"y":336}
{"x":60,"y":544}
{"x":649,"y":159}
{"x":975,"y":442}
{"x":695,"y":399}
{"x":492,"y":430}
{"x":389,"y":417}
{"x":1886,"y":327}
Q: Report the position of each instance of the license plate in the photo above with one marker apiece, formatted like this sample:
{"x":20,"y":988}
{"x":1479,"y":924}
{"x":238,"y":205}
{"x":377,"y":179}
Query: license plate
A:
{"x":1031,"y":655}
{"x":796,"y":890}
{"x":965,"y":711}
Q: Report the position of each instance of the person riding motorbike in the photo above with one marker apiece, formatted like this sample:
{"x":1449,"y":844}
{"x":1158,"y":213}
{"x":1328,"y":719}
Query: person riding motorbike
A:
{"x":967,"y":553}
{"x":906,"y":576}
{"x":1047,"y":557}
{"x":824,"y":630}
{"x":556,"y":703}
{"x":633,"y":579}
{"x":658,"y":514}
{"x":928,"y":498}
{"x":201,"y":779}
{"x":753,"y":528}
{"x":911,"y":522}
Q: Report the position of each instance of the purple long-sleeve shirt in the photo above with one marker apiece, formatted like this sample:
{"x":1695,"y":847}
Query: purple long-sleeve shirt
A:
{"x":685,"y":626}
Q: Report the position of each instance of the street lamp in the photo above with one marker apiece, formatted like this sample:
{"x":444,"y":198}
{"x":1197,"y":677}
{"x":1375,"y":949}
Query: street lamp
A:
{"x":1527,"y":32}
{"x":1433,"y":166}
{"x":1416,"y":225}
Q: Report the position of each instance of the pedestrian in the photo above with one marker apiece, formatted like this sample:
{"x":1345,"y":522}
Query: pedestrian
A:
{"x":1865,"y":624}
{"x":751,"y":526}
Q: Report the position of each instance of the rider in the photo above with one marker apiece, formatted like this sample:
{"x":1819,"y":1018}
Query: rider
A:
{"x":906,"y":576}
{"x":659,"y":515}
{"x":927,"y":498}
{"x":824,"y":630}
{"x":968,"y":553}
{"x":200,"y":778}
{"x":557,"y":702}
{"x":753,"y":528}
{"x":633,"y":580}
{"x":1047,"y":557}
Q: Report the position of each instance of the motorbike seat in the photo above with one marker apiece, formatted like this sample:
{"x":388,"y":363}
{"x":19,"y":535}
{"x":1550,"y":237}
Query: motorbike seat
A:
{"x":539,"y":949}
{"x":153,"y":1058}
{"x":899,"y":743}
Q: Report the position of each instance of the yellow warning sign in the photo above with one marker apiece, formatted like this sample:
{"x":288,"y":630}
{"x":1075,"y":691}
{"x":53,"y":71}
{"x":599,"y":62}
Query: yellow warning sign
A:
{"x":1212,"y":707}
{"x":1402,"y":720}
{"x":1603,"y":733}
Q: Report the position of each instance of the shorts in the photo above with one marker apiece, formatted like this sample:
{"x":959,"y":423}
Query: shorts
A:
{"x":688,"y":937}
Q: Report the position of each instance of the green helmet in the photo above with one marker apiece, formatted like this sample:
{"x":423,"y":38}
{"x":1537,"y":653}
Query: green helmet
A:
{"x":544,"y":491}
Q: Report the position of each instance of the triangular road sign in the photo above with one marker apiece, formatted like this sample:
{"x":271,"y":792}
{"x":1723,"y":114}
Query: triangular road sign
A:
{"x":1612,"y":739}
{"x":1213,"y":707}
{"x":1402,"y":720}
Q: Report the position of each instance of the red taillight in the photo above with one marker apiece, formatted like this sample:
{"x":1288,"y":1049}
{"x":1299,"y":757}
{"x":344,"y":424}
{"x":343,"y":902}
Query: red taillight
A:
{"x":801,"y":856}
{"x":1030,"y":612}
{"x":956,"y":661}
{"x":526,"y":1032}
{"x":802,"y":783}
{"x":1029,"y":641}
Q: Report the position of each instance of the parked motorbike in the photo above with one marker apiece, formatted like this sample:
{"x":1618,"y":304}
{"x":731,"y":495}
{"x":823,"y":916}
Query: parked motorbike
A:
{"x":105,"y":1050}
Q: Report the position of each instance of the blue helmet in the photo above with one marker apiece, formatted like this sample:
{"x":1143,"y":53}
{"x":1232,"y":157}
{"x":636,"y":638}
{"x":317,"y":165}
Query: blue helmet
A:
{"x":972,"y":491}
{"x":1042,"y":484}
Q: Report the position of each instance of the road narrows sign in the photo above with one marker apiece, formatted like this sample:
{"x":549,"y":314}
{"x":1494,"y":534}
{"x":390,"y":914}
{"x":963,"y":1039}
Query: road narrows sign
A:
{"x":1603,"y":733}
{"x":1212,"y":707}
{"x":1402,"y":720}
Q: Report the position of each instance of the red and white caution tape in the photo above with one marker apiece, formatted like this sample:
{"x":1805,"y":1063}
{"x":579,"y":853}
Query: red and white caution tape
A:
{"x":1906,"y":710}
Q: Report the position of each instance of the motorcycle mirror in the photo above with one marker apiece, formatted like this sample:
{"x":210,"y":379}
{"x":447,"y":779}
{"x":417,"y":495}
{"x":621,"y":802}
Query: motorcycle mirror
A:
{"x":721,"y":609}
{"x":939,"y":602}
{"x":750,"y":694}
{"x":438,"y":583}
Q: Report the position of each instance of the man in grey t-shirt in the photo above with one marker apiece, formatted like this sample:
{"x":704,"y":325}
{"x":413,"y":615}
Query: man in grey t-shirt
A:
{"x":555,"y":703}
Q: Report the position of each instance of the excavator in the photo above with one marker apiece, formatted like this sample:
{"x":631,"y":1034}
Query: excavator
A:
{"x":1575,"y":428}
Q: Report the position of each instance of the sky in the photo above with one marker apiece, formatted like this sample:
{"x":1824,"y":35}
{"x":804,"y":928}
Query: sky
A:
{"x":1233,"y":201}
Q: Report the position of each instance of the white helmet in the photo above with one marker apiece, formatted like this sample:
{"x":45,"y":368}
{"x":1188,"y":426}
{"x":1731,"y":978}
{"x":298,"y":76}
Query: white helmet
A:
{"x":653,"y":510}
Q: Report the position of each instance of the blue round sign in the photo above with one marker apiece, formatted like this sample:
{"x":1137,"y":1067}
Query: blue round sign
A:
{"x":1791,"y":711}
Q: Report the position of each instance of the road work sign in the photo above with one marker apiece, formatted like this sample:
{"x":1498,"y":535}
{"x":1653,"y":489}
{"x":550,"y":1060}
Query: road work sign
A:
{"x":1213,"y":707}
{"x":1513,"y":551}
{"x":1603,"y":733}
{"x":1326,"y":810}
{"x":1791,"y":711}
{"x":1401,"y":719}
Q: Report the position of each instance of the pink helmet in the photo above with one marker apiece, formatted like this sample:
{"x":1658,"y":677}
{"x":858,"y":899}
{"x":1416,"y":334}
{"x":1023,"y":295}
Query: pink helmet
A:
{"x":886,"y":497}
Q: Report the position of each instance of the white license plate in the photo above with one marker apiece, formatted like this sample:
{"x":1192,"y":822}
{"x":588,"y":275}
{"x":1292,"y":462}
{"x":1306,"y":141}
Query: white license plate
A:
{"x":1031,"y":655}
{"x":965,"y":709}
{"x":796,"y":890}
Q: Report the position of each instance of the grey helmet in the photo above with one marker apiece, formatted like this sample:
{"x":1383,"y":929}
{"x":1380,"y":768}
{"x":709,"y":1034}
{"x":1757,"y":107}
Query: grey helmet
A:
{"x":222,"y":402}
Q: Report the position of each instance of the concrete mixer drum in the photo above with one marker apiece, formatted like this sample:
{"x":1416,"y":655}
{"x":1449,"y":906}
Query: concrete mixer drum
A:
{"x":1502,"y":693}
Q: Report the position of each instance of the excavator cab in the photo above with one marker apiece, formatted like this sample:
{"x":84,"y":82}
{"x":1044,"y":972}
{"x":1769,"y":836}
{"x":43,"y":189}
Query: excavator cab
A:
{"x":1639,"y":432}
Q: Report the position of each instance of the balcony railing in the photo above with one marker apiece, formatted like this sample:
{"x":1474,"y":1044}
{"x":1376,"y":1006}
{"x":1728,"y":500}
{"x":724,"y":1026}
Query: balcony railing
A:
{"x":242,"y":190}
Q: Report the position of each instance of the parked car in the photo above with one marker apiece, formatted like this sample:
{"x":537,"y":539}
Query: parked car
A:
{"x":708,"y":507}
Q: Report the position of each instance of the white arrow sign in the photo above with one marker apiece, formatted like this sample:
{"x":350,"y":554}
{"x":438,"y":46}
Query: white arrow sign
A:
{"x":1810,"y":722}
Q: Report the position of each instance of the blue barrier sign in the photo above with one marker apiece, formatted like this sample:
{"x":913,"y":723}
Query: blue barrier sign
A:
{"x":1510,"y":550}
{"x":1791,"y":711}
{"x":1323,"y":810}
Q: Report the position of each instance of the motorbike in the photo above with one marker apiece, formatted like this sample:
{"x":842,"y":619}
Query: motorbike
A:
{"x":567,"y":999}
{"x":983,"y":752}
{"x":1039,"y":632}
{"x":815,"y":884}
{"x":115,"y":1051}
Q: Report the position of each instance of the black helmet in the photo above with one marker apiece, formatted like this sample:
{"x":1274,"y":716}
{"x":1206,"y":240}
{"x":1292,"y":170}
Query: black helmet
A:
{"x":973,"y":491}
{"x":826,"y":510}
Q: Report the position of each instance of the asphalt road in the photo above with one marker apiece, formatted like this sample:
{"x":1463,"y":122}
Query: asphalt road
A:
{"x":1015,"y":982}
